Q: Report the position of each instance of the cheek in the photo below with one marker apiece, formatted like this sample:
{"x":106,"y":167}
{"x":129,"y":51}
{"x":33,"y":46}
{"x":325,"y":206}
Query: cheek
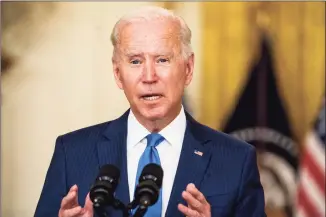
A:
{"x":174,"y":83}
{"x":130,"y":78}
{"x":129,"y":86}
{"x":178,"y":77}
{"x":174,"y":73}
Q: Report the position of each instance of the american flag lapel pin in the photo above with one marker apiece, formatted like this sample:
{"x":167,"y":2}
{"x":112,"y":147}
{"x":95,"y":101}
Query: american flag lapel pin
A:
{"x":198,"y":153}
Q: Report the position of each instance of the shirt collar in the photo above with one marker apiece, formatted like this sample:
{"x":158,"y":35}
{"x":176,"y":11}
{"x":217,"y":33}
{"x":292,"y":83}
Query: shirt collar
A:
{"x":173,"y":133}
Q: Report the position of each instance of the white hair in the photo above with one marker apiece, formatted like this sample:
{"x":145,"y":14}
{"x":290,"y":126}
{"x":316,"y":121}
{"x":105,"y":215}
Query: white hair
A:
{"x":148,"y":13}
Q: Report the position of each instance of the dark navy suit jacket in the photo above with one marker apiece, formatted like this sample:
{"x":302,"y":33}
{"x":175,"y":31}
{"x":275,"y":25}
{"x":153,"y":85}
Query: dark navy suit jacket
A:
{"x":226,"y":173}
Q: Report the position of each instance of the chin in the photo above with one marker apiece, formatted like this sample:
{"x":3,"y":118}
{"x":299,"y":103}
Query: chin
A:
{"x":153,"y":114}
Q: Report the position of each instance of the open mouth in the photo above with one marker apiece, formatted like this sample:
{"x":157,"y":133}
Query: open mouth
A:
{"x":151,"y":97}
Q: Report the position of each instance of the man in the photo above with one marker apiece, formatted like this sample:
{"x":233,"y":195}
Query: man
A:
{"x":206,"y":173}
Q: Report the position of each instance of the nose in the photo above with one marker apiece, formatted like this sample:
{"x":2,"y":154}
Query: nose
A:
{"x":149,"y":73}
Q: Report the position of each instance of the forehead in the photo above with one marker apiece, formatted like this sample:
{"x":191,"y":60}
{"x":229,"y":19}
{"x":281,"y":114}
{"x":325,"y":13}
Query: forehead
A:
{"x":150,"y":36}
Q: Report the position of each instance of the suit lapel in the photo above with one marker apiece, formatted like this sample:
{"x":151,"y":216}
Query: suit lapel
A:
{"x":112,"y":150}
{"x":192,"y":165}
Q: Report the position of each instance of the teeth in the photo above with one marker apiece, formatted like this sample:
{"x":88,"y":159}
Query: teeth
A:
{"x":151,"y":97}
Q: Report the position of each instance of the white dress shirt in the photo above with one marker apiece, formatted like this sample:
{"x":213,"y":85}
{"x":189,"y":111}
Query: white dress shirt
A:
{"x":169,"y":151}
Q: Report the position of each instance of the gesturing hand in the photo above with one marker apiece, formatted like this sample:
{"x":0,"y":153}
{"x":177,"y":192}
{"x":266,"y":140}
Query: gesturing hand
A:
{"x":197,"y":203}
{"x":71,"y":208}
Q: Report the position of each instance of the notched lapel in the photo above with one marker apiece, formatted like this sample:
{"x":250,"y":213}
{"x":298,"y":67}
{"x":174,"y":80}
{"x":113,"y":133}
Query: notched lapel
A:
{"x":194,"y":160}
{"x":112,"y":150}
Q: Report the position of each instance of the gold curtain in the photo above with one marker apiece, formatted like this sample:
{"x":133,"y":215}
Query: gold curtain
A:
{"x":230,"y":39}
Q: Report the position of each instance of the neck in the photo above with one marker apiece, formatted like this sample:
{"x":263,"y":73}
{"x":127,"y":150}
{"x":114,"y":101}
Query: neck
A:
{"x":157,"y":125}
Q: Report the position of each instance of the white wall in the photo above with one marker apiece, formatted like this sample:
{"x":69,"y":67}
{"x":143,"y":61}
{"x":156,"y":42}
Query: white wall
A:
{"x":63,"y":82}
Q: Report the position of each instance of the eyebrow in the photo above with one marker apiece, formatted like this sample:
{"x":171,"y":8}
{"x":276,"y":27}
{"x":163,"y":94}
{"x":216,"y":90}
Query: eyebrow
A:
{"x":133,"y":54}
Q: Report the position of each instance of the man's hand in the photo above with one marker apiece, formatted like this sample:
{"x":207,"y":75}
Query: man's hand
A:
{"x":197,"y":203}
{"x":70,"y":207}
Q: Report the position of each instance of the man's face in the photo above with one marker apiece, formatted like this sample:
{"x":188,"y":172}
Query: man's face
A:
{"x":150,"y":68}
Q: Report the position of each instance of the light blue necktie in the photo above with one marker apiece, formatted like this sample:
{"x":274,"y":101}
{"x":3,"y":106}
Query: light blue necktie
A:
{"x":150,"y":155}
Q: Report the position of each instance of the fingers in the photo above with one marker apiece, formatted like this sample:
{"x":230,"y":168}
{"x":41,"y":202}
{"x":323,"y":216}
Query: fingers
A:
{"x":188,"y":211}
{"x":88,"y":208}
{"x":191,"y":200}
{"x":191,"y":188}
{"x":72,"y":212}
{"x":70,"y":200}
{"x":70,"y":207}
{"x":197,"y":203}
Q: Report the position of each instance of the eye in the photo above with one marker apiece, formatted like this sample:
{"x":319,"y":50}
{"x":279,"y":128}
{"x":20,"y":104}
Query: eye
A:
{"x":163,"y":60}
{"x":135,"y":62}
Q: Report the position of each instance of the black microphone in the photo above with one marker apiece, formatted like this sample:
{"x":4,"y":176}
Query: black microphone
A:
{"x":102,"y":191}
{"x":148,"y":189}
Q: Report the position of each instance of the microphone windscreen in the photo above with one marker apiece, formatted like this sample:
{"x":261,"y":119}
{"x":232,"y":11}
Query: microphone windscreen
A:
{"x":110,"y":170}
{"x":152,"y":171}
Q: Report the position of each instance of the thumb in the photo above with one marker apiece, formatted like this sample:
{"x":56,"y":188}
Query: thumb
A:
{"x":88,"y":208}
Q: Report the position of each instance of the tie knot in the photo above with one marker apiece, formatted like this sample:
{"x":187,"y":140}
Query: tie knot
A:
{"x":154,"y":139}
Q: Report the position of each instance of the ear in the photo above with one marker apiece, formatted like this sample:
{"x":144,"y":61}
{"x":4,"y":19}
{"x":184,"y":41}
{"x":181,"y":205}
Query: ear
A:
{"x":117,"y":73}
{"x":189,"y":68}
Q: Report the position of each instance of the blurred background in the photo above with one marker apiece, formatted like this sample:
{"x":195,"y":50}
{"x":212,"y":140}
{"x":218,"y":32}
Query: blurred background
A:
{"x":259,"y":75}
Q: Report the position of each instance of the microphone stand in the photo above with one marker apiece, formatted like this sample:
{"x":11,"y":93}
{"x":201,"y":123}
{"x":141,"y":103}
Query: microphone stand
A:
{"x":141,"y":211}
{"x":120,"y":206}
{"x":117,"y":204}
{"x":142,"y":208}
{"x":100,"y":211}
